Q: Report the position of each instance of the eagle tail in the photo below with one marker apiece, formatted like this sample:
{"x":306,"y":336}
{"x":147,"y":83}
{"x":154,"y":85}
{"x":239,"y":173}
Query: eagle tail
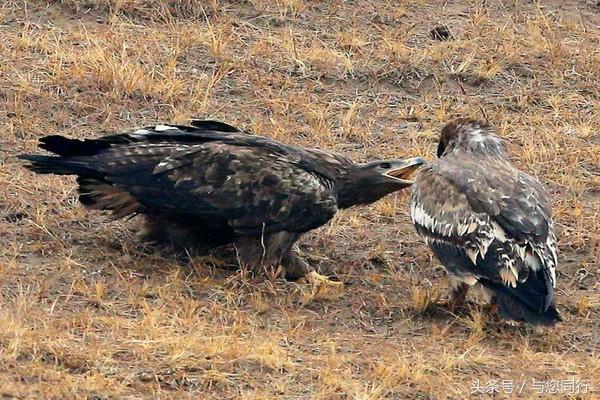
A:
{"x":57,"y":165}
{"x":529,"y":302}
{"x":66,"y":147}
{"x":68,"y":150}
{"x":94,"y":191}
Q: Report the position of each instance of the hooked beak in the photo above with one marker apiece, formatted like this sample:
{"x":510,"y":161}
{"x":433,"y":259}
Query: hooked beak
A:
{"x":404,"y":170}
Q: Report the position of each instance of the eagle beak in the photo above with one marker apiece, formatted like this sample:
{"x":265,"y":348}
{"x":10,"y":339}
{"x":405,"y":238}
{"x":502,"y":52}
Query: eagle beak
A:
{"x":404,"y":170}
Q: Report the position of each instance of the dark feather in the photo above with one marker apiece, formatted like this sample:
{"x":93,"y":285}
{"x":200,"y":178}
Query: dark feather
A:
{"x":58,"y":166}
{"x":214,"y":126}
{"x":486,"y":220}
{"x":522,"y":303}
{"x":210,"y":184}
{"x":207,"y":171}
{"x":72,"y":147}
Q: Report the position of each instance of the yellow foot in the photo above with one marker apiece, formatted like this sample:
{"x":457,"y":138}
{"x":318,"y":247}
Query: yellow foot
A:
{"x":322,"y":288}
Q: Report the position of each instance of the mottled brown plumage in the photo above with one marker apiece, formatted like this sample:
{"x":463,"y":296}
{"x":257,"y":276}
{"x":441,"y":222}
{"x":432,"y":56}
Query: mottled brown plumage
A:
{"x":488,"y":223}
{"x":211,"y":184}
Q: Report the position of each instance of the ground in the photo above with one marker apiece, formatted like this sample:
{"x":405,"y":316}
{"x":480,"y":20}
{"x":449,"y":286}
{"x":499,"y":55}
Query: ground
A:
{"x":88,"y":312}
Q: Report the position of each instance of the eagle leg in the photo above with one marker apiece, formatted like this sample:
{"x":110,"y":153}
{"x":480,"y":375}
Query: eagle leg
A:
{"x":276,"y":255}
{"x":321,"y":286}
{"x":458,"y":294}
{"x":266,"y":253}
{"x":296,"y":267}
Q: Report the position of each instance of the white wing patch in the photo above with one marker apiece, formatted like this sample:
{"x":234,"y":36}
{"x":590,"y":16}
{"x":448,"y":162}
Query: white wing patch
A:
{"x":477,"y":138}
{"x":161,"y":128}
{"x":464,"y":227}
{"x":551,"y":245}
{"x":498,"y":232}
{"x":140,"y":133}
{"x":483,"y":231}
{"x":509,"y":276}
{"x":149,"y":149}
{"x":548,"y":254}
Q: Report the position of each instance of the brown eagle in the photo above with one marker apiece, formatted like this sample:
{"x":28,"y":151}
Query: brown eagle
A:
{"x":488,"y":223}
{"x":211,"y":184}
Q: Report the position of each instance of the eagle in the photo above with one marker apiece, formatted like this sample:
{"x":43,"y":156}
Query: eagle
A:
{"x":488,"y":223}
{"x":211,"y":184}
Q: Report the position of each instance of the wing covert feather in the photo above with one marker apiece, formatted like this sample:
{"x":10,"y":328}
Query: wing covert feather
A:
{"x":496,"y":230}
{"x":254,"y":189}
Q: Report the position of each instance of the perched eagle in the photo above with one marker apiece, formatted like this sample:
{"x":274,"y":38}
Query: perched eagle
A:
{"x":210,"y":184}
{"x":488,"y":223}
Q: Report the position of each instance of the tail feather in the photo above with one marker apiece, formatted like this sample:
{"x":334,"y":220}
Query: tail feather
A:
{"x":102,"y":195}
{"x":58,"y":166}
{"x":525,"y":303}
{"x":72,"y":147}
{"x":74,"y":158}
{"x":70,"y":161}
{"x":94,"y":190}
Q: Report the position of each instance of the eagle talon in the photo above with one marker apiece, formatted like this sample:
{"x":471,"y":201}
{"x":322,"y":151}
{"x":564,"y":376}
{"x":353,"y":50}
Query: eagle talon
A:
{"x":492,"y":310}
{"x":322,"y":288}
{"x":454,"y":307}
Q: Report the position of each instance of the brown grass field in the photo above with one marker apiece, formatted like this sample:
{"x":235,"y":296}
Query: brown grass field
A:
{"x":87,"y":312}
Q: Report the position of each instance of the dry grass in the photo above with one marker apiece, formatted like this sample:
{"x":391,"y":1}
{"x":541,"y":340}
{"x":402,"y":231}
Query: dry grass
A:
{"x":87,"y":312}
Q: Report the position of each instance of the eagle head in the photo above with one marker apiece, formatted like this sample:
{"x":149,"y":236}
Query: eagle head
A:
{"x":396,"y":172}
{"x":368,"y":182}
{"x":469,"y":135}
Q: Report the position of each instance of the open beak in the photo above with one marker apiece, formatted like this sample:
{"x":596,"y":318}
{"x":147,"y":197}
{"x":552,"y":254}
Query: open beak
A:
{"x":404,"y":170}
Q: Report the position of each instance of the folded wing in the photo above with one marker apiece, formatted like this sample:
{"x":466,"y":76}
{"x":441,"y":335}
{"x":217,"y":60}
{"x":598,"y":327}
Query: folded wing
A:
{"x":494,"y":226}
{"x":208,"y":171}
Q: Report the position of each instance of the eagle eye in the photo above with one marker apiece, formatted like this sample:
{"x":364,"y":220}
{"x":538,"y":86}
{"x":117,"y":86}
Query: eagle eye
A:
{"x":385,"y":165}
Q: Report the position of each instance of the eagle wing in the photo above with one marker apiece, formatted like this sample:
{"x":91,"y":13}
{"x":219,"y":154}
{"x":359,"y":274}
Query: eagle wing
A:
{"x":253,"y":188}
{"x":208,"y":171}
{"x":487,"y":220}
